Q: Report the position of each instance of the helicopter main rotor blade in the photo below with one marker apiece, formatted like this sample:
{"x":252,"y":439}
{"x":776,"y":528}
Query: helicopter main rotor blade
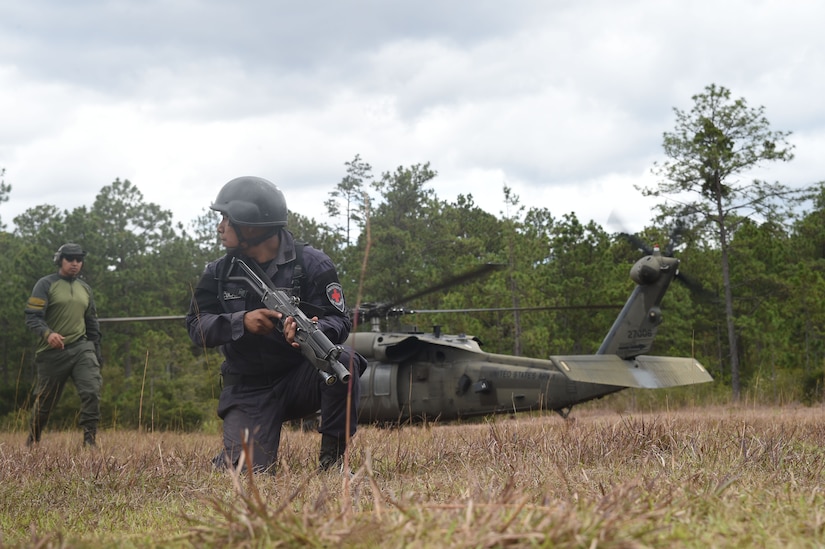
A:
{"x":464,"y":277}
{"x":141,"y":318}
{"x":508,"y":309}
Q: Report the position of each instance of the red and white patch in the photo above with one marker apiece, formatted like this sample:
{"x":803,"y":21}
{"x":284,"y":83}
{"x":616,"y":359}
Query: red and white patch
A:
{"x":335,"y":294}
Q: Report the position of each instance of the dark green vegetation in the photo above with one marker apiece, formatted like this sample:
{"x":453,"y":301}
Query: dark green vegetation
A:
{"x":757,"y":324}
{"x":738,"y":476}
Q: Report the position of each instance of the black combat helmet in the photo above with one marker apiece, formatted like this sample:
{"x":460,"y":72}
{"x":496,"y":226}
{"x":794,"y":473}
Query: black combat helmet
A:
{"x":253,"y":202}
{"x":68,"y":249}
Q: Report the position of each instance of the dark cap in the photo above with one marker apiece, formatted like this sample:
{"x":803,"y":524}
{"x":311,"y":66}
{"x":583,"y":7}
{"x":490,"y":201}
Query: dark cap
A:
{"x":68,"y":249}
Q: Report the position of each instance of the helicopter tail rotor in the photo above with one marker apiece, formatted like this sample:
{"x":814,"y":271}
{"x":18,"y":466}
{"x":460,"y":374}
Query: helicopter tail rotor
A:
{"x":675,"y":238}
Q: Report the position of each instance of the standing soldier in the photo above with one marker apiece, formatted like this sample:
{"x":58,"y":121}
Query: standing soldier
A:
{"x":61,"y":312}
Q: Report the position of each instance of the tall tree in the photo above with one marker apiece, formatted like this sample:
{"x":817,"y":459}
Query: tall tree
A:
{"x":204,"y":233}
{"x":763,"y":266}
{"x":717,"y":140}
{"x":318,"y":235}
{"x":138,"y":264}
{"x":468,"y":238}
{"x":585,"y":272}
{"x":16,"y":281}
{"x":511,"y":226}
{"x":808,"y":280}
{"x":405,"y":238}
{"x":349,"y":198}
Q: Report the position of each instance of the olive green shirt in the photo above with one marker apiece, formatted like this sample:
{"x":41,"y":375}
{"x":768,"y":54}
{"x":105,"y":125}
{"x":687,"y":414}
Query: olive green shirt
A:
{"x":63,"y":305}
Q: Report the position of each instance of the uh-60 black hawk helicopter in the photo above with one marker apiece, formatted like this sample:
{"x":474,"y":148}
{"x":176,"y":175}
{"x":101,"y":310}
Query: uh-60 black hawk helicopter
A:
{"x":414,"y":376}
{"x":418,"y":376}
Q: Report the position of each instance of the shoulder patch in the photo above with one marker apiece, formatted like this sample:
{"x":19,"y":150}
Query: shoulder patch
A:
{"x":335,"y":294}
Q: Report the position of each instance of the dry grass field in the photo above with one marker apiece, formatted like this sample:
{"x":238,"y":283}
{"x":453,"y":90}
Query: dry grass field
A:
{"x":718,"y":477}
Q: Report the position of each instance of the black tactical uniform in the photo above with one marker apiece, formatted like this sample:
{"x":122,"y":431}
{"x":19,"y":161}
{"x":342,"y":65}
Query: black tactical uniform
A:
{"x":266,"y":381}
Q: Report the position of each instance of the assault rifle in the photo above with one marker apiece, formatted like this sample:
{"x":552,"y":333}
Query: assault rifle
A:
{"x":315,"y":345}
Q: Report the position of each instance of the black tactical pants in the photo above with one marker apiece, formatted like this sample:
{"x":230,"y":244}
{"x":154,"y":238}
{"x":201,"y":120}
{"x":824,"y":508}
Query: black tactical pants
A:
{"x":257,"y":408}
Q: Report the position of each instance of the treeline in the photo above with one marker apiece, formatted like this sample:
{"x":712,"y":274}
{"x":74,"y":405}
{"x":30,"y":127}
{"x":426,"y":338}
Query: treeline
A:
{"x":753,"y":313}
{"x":552,"y":295}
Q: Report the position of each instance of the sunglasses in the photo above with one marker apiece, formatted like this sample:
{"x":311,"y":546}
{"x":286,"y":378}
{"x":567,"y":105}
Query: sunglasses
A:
{"x":71,"y":258}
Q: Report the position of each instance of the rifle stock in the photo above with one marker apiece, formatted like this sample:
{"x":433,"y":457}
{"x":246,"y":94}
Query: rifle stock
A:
{"x":315,"y":345}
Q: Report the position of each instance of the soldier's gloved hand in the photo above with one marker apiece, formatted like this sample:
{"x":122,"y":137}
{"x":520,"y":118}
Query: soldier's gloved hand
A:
{"x":99,"y":355}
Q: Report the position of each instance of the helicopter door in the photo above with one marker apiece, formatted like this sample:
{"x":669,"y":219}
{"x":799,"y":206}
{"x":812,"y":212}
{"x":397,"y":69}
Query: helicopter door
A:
{"x":378,"y":400}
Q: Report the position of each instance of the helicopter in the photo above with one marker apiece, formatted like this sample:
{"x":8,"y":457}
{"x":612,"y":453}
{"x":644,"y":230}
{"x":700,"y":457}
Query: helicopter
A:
{"x":414,"y":376}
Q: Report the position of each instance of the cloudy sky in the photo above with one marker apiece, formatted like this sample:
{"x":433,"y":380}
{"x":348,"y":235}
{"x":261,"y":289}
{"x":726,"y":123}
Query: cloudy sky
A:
{"x":564,"y":102}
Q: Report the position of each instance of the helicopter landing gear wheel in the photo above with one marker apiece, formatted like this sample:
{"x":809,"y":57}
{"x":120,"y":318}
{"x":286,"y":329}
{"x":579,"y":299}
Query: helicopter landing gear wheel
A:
{"x":564,"y":412}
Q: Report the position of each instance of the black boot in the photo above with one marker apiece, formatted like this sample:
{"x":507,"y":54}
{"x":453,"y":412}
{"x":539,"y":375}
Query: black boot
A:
{"x":89,"y":436}
{"x":34,"y":436}
{"x":332,"y":452}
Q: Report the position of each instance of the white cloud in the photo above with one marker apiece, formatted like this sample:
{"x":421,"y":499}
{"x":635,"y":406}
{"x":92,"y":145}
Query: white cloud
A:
{"x":564,"y":102}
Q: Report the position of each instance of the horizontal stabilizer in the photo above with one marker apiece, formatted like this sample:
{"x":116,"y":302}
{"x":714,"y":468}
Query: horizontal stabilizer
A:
{"x":643,"y":372}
